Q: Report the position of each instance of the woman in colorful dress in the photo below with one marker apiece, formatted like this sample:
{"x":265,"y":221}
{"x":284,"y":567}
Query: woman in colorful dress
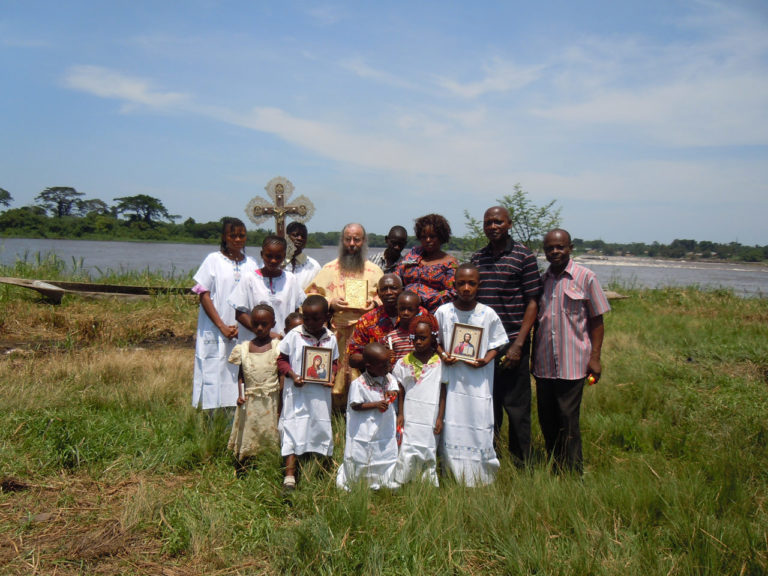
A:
{"x":426,"y":269}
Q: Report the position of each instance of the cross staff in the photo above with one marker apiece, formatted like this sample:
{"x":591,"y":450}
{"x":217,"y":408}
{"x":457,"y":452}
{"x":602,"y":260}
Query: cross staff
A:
{"x":280,"y":190}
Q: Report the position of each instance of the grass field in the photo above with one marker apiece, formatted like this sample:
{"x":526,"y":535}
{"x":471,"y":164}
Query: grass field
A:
{"x":105,"y":468}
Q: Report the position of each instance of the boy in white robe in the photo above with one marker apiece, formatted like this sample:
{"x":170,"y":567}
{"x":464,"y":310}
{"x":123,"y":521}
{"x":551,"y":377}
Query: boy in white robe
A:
{"x":466,"y":446}
{"x":305,"y":420}
{"x":371,"y":449}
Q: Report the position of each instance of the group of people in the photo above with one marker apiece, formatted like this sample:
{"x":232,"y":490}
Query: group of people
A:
{"x":425,"y":358}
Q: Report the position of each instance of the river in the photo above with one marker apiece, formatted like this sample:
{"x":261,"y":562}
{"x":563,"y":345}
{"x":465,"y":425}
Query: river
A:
{"x":748,"y":280}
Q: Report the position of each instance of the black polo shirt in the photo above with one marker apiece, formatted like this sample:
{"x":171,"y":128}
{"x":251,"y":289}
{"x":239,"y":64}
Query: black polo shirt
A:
{"x":508,"y":282}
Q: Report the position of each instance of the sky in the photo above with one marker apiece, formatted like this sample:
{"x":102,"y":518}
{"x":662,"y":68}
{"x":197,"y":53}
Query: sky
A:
{"x":644,"y":120}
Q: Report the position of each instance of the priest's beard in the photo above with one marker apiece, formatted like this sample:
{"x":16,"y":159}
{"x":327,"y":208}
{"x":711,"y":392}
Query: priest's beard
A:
{"x":352,"y":262}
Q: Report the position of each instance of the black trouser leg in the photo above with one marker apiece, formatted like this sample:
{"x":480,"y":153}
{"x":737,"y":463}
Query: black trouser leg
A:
{"x":559,"y":405}
{"x":512,"y":394}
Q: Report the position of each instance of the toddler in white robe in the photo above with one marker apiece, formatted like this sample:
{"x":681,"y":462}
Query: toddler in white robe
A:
{"x":370,"y":452}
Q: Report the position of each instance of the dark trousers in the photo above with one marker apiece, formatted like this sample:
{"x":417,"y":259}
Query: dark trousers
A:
{"x":559,"y":404}
{"x":512,"y":394}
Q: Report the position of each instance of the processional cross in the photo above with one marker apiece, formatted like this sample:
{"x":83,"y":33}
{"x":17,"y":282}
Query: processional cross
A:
{"x":279,"y":189}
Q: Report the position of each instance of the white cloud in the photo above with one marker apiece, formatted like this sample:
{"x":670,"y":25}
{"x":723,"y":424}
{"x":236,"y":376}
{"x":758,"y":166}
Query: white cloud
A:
{"x":107,"y":83}
{"x":705,"y":112}
{"x":709,"y":90}
{"x":363,"y":70}
{"x":500,"y":76}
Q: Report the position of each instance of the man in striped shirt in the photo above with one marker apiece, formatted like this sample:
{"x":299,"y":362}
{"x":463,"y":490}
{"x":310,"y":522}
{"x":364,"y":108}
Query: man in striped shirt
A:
{"x":510,"y":284}
{"x":567,"y":346}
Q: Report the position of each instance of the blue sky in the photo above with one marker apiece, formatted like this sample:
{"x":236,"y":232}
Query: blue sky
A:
{"x":646,"y":121}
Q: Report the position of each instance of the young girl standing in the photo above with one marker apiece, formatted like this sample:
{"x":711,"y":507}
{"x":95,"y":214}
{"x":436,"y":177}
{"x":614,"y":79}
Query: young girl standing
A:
{"x":270,"y":285}
{"x":467,"y":440}
{"x":215,"y":380}
{"x":255,"y":425}
{"x":422,"y":403}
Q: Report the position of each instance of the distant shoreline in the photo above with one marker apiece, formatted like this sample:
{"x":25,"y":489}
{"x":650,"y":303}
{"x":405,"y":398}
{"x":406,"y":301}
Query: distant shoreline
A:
{"x":645,"y":260}
{"x":581,"y":257}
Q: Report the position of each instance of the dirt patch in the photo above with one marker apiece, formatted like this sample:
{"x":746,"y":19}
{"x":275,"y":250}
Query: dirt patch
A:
{"x":12,"y":485}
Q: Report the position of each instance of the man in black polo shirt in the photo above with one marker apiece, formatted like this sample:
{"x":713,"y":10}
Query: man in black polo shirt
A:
{"x":510,"y":283}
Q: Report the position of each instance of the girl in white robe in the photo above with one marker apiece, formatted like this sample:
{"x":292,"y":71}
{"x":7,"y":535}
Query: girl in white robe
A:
{"x":422,"y":404}
{"x":214,"y":384}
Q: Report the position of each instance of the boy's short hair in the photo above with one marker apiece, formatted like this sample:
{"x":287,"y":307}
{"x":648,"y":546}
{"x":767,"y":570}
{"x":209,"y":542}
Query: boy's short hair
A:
{"x":374,"y":351}
{"x":408,"y":294}
{"x":291,"y":318}
{"x":467,"y":266}
{"x":315,"y":300}
{"x":296,"y":227}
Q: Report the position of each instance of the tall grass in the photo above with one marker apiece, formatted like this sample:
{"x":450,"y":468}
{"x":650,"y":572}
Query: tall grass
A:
{"x":50,"y":266}
{"x":100,"y":432}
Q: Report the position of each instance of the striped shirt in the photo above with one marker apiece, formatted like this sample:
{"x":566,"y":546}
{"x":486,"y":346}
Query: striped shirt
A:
{"x":401,"y":343}
{"x":508,"y":281}
{"x":381,"y":262}
{"x":561,"y":343}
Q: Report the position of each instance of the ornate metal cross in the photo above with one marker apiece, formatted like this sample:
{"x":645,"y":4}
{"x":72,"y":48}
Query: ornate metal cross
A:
{"x":280,"y":190}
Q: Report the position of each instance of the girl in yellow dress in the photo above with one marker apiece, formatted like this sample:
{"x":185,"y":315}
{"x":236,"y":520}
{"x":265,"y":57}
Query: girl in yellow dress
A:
{"x":255,"y":425}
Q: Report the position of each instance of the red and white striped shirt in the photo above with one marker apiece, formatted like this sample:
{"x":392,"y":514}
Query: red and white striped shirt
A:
{"x":400,"y":342}
{"x":561,"y":344}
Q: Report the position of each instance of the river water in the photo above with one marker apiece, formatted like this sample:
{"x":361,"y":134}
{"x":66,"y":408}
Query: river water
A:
{"x":749,"y":280}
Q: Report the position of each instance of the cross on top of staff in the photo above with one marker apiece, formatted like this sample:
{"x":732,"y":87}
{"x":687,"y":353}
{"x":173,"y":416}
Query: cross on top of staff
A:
{"x":279,"y":189}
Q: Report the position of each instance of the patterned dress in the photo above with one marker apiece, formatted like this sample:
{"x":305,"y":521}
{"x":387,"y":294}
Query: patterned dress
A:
{"x":432,"y":282}
{"x":255,"y":425}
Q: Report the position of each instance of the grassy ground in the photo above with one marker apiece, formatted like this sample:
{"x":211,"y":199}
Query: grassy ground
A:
{"x":105,"y":468}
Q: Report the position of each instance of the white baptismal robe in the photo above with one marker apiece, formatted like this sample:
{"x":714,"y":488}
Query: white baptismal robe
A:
{"x":305,"y":422}
{"x":418,"y":450}
{"x":371,"y":449}
{"x":467,"y":441}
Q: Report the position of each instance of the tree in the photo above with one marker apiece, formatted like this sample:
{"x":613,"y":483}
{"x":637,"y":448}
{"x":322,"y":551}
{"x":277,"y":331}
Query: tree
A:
{"x":95,"y":206}
{"x":27,"y":220}
{"x":143,"y":208}
{"x":5,"y":197}
{"x":58,"y":200}
{"x":529,"y":222}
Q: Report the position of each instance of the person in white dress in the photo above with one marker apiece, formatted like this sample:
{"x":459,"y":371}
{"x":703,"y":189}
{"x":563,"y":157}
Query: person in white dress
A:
{"x":269,"y":285}
{"x":466,"y":446}
{"x":422,"y":403}
{"x":370,"y":452}
{"x":305,"y":420}
{"x":214,"y":383}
